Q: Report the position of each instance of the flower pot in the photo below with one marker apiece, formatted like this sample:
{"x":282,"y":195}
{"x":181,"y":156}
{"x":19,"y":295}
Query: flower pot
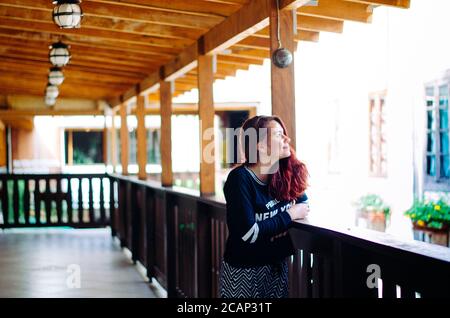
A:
{"x":372,"y":219}
{"x":431,"y":235}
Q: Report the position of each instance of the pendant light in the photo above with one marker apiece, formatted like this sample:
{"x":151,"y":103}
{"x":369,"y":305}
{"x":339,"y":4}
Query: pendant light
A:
{"x":281,"y":57}
{"x":67,"y":14}
{"x":59,"y":54}
{"x":55,"y":76}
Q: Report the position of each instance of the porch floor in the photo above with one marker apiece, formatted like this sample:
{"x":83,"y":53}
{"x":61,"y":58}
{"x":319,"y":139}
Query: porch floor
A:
{"x":44,"y":263}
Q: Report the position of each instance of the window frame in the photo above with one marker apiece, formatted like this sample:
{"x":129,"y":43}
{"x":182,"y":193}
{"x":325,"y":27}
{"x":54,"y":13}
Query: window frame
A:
{"x":437,"y":182}
{"x":380,"y":108}
{"x":69,"y":144}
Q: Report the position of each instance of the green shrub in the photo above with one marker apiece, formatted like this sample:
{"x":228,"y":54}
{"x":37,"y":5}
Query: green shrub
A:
{"x":372,"y":202}
{"x":433,"y":214}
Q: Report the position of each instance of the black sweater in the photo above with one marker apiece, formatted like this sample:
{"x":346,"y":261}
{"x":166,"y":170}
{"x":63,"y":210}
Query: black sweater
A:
{"x":253,"y":219}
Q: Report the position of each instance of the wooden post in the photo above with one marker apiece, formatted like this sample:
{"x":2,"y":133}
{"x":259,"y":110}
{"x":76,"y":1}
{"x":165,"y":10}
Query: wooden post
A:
{"x":9,"y":150}
{"x":165,"y":96}
{"x":70,"y":147}
{"x":113,"y":142}
{"x":2,"y":144}
{"x":141,"y":137}
{"x":105,"y":145}
{"x":206,"y":116}
{"x":282,"y":79}
{"x":124,"y":138}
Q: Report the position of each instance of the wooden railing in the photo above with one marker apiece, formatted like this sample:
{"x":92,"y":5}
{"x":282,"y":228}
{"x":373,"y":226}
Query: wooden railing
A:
{"x":332,"y":262}
{"x":37,"y":200}
{"x":180,"y":237}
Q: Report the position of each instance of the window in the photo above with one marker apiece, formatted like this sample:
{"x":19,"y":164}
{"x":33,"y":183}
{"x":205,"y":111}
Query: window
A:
{"x":153,"y":150}
{"x":437,"y":155}
{"x":377,"y":135}
{"x":83,"y":147}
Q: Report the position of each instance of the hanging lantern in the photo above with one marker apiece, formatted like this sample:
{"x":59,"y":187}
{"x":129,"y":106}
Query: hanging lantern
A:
{"x":49,"y":101}
{"x":55,"y":76}
{"x":67,"y":13}
{"x":51,"y":91}
{"x":59,"y":54}
{"x":281,"y":57}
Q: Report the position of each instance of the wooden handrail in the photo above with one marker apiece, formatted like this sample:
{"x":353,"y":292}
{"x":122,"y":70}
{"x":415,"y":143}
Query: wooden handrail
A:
{"x":331,"y":261}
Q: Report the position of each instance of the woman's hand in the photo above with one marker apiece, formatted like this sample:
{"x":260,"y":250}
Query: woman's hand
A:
{"x":299,"y":211}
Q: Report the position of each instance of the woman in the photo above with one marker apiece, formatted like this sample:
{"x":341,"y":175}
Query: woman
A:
{"x":264,"y":195}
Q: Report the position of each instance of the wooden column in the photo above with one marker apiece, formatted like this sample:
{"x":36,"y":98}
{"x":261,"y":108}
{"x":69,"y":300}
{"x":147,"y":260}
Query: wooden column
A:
{"x":141,"y":137}
{"x":105,"y":146}
{"x":124,"y":139}
{"x":206,"y":116}
{"x":70,"y":147}
{"x":9,"y":150}
{"x":282,"y":79}
{"x":165,"y":95}
{"x":113,"y":141}
{"x":3,"y":147}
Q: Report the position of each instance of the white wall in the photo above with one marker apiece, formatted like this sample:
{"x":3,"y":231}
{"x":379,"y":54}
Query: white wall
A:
{"x":399,"y":51}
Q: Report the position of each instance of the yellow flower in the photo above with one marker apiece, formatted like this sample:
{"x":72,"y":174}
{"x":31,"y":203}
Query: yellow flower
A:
{"x":421,"y":223}
{"x":437,"y":207}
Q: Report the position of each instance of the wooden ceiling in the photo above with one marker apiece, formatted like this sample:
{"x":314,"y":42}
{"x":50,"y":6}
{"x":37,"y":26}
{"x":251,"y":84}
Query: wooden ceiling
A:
{"x":122,"y":42}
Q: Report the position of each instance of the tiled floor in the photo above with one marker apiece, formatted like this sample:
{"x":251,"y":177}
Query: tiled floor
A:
{"x":55,"y":262}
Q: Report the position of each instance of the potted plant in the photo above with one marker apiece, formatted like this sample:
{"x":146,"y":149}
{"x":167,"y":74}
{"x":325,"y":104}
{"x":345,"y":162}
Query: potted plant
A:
{"x":374,"y":210}
{"x":431,"y":220}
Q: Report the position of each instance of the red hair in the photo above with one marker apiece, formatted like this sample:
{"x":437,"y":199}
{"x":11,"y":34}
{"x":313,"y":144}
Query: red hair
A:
{"x":291,"y":179}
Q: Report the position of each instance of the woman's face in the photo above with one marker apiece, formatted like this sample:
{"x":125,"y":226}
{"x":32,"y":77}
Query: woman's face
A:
{"x":276,"y":147}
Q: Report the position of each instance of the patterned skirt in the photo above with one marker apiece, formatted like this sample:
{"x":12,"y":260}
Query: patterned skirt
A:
{"x":267,"y":281}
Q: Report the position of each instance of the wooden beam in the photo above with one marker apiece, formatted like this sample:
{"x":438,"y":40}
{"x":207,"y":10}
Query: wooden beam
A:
{"x":292,"y":5}
{"x":93,"y":43}
{"x":404,"y":4}
{"x":282,"y":79}
{"x":12,"y":114}
{"x":234,"y":60}
{"x":27,"y":66}
{"x":135,"y":13}
{"x":195,"y":7}
{"x":339,"y":10}
{"x":119,"y":37}
{"x":183,"y":63}
{"x":166,"y":133}
{"x":252,"y":17}
{"x":262,"y":42}
{"x":249,"y":19}
{"x":105,"y":23}
{"x":141,"y":138}
{"x":309,"y":23}
{"x":23,"y":122}
{"x":206,"y":117}
{"x":150,"y":84}
{"x":124,"y":137}
{"x":76,"y":38}
{"x":130,"y":94}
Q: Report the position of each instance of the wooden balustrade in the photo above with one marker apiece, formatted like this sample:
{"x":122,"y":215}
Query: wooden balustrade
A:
{"x":37,"y":200}
{"x":185,"y":235}
{"x":179,"y":236}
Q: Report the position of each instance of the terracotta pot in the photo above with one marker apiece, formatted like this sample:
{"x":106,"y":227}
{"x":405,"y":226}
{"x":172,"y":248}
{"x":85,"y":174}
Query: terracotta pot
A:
{"x":432,"y":235}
